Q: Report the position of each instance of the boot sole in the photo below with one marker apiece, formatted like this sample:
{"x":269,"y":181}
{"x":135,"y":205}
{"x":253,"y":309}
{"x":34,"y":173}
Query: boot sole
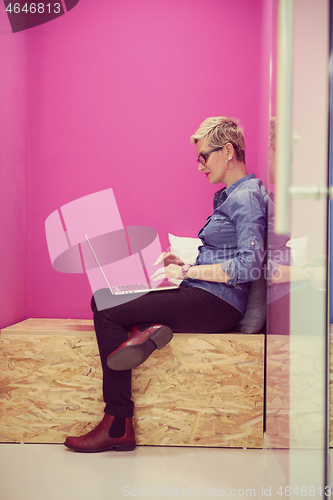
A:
{"x":116,"y":447}
{"x":134,"y":355}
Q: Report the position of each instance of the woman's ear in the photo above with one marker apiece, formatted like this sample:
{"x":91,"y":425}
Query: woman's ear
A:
{"x":229,"y":149}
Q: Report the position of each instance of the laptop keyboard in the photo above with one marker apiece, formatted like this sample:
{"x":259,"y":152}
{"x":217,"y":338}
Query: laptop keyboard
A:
{"x":132,"y":288}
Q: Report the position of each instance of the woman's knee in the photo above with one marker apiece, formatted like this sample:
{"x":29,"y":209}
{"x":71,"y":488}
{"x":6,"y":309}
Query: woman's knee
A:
{"x":102,"y":299}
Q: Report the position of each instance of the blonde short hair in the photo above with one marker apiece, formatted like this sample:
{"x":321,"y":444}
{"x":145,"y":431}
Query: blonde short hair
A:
{"x":272,"y":134}
{"x":218,"y":131}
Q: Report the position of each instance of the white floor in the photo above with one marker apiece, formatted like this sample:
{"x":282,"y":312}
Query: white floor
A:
{"x":52,"y":472}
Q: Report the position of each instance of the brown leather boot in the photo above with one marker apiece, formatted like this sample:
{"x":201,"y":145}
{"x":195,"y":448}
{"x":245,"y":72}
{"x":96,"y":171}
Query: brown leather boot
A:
{"x":144,"y":339}
{"x":99,"y":438}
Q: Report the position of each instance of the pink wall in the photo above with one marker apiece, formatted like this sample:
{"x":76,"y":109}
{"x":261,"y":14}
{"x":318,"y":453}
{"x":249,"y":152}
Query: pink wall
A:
{"x":266,"y":101}
{"x":14,"y":171}
{"x":117,"y":88}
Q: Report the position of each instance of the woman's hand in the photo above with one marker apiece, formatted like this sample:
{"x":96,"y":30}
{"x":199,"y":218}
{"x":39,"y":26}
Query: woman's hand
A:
{"x":169,"y":258}
{"x":173,"y":271}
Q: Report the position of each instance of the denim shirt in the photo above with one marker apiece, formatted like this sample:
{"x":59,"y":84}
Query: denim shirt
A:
{"x":234,"y":236}
{"x":278,"y":253}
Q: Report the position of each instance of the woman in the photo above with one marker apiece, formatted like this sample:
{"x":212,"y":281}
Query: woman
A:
{"x":212,"y":297}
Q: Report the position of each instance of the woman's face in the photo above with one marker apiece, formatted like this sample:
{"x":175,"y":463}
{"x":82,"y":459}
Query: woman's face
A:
{"x":215,"y":166}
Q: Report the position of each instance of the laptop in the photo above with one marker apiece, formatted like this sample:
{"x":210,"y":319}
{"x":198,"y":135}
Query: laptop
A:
{"x":135,"y":287}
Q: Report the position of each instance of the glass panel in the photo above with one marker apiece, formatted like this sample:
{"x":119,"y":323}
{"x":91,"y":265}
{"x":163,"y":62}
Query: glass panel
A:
{"x":296,"y":332}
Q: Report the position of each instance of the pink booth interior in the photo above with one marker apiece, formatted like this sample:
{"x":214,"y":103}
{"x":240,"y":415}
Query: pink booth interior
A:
{"x":108,"y":95}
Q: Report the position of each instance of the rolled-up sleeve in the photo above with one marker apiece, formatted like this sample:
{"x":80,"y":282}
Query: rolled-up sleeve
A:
{"x":247,"y":212}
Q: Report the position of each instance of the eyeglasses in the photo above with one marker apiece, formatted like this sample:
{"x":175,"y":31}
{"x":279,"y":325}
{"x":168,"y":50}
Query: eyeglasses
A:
{"x":202,"y":158}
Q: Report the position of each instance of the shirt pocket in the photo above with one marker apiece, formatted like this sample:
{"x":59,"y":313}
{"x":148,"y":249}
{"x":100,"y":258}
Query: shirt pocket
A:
{"x":221,"y":232}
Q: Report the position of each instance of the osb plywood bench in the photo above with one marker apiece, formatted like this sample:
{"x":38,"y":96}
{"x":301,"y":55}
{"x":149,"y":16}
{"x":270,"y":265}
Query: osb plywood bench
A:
{"x":200,"y":390}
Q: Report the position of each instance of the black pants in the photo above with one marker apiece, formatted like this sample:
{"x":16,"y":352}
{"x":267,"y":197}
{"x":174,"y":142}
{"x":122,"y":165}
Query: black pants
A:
{"x":185,"y":309}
